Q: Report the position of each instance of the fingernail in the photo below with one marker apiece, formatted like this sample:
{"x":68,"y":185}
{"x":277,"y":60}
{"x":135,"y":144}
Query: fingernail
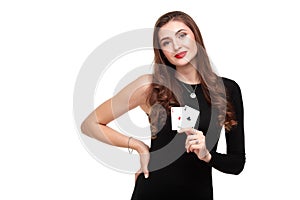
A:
{"x":146,"y":175}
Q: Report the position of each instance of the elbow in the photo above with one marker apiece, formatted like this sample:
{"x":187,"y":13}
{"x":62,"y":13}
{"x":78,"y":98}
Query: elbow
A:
{"x":240,"y":166}
{"x":83,"y":127}
{"x":90,"y":126}
{"x":238,"y":170}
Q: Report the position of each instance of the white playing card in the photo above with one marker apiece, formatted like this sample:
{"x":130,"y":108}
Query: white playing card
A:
{"x":189,"y":117}
{"x":176,"y":117}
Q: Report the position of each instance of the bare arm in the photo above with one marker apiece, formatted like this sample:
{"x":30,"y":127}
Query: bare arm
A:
{"x":131,"y":96}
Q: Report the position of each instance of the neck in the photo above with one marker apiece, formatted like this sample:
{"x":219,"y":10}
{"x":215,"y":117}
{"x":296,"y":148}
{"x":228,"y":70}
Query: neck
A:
{"x":187,"y":74}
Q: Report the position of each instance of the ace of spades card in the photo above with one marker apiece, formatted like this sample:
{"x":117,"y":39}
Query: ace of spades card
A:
{"x":189,"y":117}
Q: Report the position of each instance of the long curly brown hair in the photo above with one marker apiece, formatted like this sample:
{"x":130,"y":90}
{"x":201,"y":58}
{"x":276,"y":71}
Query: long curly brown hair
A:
{"x":165,"y":91}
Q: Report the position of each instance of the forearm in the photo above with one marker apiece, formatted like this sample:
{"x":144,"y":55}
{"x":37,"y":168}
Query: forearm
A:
{"x":227,"y":163}
{"x":104,"y":133}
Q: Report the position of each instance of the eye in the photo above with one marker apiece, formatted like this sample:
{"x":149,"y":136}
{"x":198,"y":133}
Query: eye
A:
{"x":166,"y":43}
{"x":182,"y":35}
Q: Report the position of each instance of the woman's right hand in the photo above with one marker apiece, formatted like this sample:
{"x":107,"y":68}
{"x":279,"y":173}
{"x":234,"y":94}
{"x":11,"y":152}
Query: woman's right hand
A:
{"x":144,"y":160}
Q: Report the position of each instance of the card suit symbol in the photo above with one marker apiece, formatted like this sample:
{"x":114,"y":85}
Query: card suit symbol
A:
{"x":179,"y":118}
{"x":189,"y":118}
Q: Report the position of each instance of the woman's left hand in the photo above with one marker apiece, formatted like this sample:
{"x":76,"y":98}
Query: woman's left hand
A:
{"x":195,"y":142}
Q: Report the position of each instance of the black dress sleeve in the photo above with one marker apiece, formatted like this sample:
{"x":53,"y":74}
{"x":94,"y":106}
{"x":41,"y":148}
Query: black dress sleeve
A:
{"x":234,"y":160}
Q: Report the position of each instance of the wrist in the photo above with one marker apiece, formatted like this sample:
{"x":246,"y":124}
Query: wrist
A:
{"x":207,"y":158}
{"x":137,"y":145}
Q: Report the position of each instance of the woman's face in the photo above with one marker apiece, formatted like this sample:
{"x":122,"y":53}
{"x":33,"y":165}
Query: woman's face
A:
{"x":177,"y":42}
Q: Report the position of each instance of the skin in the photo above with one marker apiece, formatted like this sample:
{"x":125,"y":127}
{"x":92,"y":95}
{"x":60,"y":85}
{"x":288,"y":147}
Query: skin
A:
{"x":175,"y":37}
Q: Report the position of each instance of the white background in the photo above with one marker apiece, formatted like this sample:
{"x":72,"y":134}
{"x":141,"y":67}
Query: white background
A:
{"x":44,"y":44}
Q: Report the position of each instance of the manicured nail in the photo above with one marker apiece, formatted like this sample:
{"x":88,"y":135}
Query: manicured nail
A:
{"x":146,"y":175}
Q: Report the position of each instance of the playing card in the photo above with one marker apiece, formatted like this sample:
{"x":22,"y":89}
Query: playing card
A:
{"x":176,"y":117}
{"x":189,"y":117}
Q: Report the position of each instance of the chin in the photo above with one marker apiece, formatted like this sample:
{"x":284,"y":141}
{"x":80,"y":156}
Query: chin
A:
{"x":181,"y":64}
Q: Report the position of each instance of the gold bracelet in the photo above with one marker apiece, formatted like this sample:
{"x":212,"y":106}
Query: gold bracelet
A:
{"x":129,"y":149}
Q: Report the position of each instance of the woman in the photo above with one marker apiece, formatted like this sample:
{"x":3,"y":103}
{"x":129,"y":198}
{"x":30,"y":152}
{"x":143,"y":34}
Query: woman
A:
{"x":182,"y":76}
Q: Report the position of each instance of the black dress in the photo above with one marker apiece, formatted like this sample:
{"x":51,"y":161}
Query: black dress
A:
{"x":175,"y":174}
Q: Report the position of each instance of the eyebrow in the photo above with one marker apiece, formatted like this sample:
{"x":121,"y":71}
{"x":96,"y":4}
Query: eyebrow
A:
{"x":175,"y":34}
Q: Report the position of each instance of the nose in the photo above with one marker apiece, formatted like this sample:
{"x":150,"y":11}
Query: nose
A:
{"x":176,"y":45}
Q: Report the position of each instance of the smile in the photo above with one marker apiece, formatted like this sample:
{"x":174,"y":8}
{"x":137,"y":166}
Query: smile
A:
{"x":180,"y":55}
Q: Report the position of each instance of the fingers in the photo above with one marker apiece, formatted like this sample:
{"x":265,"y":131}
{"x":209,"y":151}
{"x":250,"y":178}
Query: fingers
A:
{"x":144,"y":159}
{"x":190,"y":140}
{"x":190,"y":131}
{"x":200,"y":150}
{"x":197,"y":139}
{"x":145,"y":170}
{"x":193,"y":144}
{"x":137,"y":174}
{"x":146,"y":173}
{"x":194,"y":147}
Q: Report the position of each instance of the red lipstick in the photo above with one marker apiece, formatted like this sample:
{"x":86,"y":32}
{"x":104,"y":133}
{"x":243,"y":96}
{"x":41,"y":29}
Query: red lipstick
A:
{"x":180,"y":55}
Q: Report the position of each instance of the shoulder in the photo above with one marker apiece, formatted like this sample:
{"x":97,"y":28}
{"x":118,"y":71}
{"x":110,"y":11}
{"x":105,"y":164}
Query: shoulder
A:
{"x":141,"y":86}
{"x":230,"y":84}
{"x":147,"y":78}
{"x":136,"y":92}
{"x":144,"y":81}
{"x":137,"y":87}
{"x":232,"y":87}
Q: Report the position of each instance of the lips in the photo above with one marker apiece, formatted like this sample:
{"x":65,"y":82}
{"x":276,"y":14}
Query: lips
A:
{"x":180,"y":55}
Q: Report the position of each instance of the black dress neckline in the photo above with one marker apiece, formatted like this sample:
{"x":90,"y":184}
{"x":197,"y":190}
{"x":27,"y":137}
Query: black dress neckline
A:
{"x":193,"y":85}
